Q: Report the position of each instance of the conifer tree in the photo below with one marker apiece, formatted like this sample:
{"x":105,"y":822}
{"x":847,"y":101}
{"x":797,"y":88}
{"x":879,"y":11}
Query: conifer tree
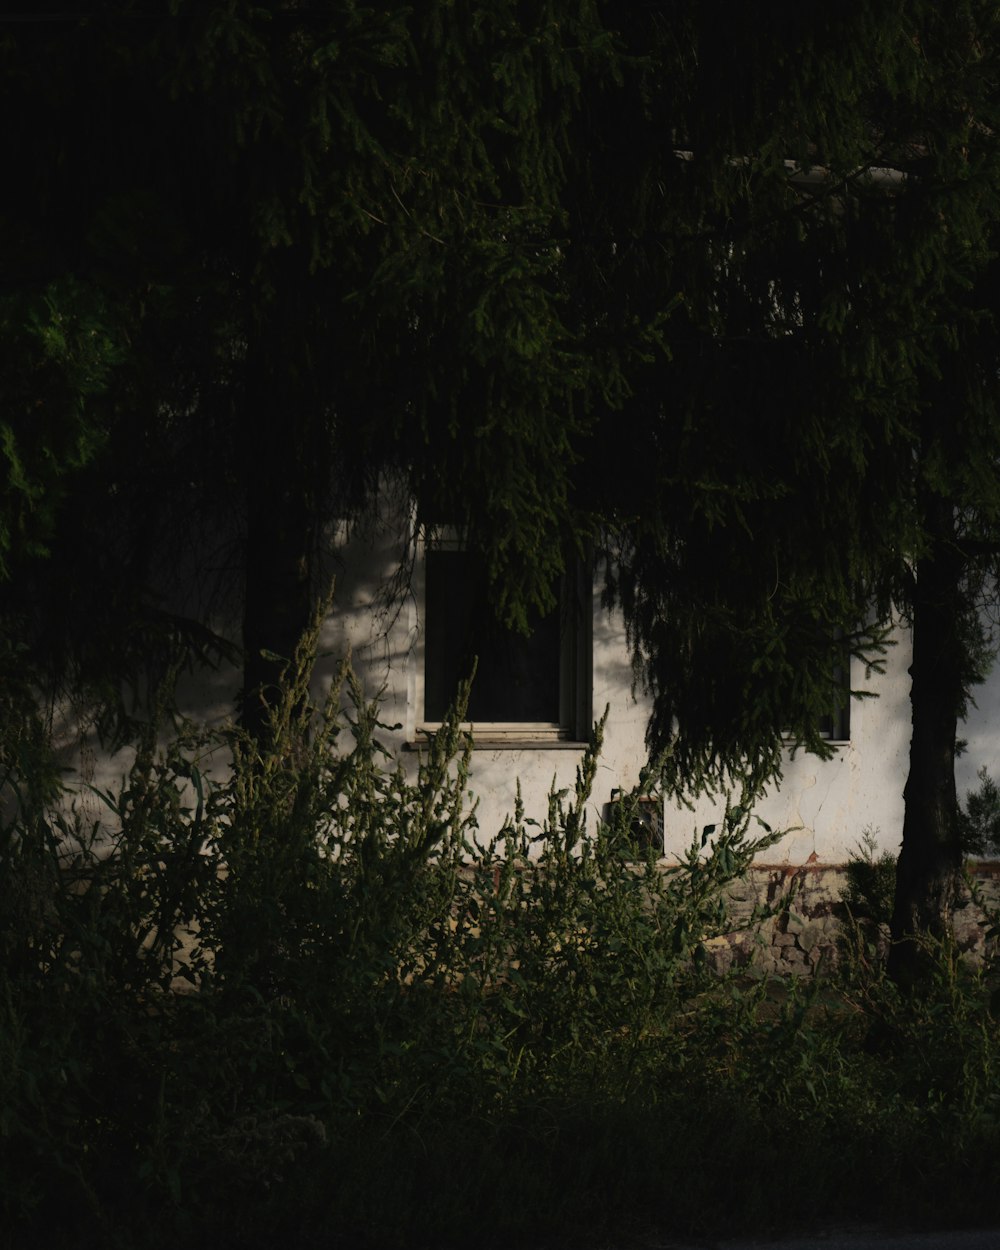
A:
{"x":331,"y":239}
{"x":825,"y":443}
{"x":712,"y":283}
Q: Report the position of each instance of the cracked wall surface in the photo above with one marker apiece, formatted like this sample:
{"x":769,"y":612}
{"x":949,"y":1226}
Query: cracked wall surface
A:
{"x":821,"y":807}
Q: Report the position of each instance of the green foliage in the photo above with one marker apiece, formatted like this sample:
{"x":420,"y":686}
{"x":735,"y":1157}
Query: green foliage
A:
{"x":869,"y":897}
{"x":849,"y":1074}
{"x":552,"y":267}
{"x":57,"y":352}
{"x":412,"y":238}
{"x":980,"y":817}
{"x":826,"y":310}
{"x":233,"y":1009}
{"x":871,"y":881}
{"x":233,"y":980}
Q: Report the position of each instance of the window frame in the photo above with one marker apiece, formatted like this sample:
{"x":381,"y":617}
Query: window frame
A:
{"x":838,"y":716}
{"x":572,"y":730}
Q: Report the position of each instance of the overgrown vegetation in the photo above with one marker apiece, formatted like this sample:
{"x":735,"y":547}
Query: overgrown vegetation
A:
{"x":980,"y":817}
{"x":871,"y":874}
{"x":870,"y":881}
{"x":308,"y":997}
{"x":262,"y":256}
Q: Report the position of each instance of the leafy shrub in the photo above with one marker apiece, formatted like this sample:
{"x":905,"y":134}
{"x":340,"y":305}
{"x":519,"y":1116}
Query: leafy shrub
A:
{"x":239,"y":983}
{"x":980,"y":817}
{"x":870,"y":887}
{"x":310,"y":999}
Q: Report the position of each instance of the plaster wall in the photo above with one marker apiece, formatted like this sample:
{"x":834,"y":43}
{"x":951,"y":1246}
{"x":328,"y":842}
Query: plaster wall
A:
{"x":825,"y":806}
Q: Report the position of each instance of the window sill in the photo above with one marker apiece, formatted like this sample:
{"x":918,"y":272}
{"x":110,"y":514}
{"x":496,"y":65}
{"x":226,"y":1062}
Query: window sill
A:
{"x":827,"y":738}
{"x":833,"y":742}
{"x":519,"y":738}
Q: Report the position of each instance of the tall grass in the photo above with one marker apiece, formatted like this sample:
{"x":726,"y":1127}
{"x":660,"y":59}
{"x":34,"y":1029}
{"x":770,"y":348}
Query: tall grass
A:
{"x":314,"y":1000}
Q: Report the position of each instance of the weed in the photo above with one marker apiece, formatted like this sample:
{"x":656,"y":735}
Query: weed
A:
{"x":313,"y":999}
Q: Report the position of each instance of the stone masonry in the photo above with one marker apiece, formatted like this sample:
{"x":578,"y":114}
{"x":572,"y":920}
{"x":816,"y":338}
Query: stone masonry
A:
{"x":806,"y":932}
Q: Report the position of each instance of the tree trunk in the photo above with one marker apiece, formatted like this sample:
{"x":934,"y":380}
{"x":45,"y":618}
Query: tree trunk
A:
{"x":930,"y":859}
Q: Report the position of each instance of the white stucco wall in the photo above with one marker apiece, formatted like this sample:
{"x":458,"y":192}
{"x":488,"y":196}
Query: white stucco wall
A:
{"x":825,"y":805}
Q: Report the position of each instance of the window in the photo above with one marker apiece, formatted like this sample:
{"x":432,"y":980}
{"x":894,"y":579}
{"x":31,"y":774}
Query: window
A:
{"x":836,"y":724}
{"x":836,"y":727}
{"x":528,"y":691}
{"x":647,"y":827}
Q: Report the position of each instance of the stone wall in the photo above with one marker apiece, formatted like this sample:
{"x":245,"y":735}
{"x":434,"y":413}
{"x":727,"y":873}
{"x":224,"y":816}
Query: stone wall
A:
{"x":806,"y":933}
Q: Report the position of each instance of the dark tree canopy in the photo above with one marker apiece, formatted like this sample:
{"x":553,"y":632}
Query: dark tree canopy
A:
{"x":322,"y":244}
{"x":769,"y":516}
{"x":711,"y":285}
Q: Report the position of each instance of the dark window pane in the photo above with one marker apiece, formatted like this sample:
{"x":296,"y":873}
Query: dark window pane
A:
{"x":517,"y":678}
